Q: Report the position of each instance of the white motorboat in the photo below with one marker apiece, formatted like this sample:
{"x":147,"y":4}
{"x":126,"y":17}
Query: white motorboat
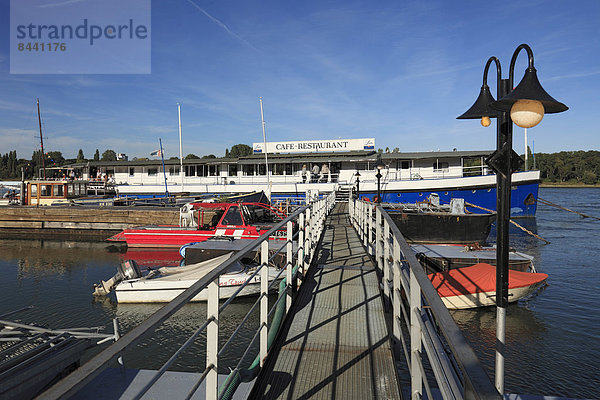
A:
{"x":164,"y":284}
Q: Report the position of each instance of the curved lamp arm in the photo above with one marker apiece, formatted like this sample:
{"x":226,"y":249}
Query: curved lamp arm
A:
{"x":513,"y":60}
{"x":498,"y":73}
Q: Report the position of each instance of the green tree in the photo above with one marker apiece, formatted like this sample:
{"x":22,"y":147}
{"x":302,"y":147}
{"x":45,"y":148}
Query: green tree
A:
{"x":109,"y":155}
{"x":80,"y":156}
{"x":97,"y":155}
{"x":209,"y":156}
{"x":192,"y":157}
{"x":239,"y":150}
{"x":54,"y":159}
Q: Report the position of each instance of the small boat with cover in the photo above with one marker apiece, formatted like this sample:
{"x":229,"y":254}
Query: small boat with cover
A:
{"x":475,"y":286}
{"x":164,"y":284}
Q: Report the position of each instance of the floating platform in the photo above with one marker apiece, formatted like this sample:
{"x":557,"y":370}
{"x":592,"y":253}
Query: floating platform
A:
{"x":78,"y":222}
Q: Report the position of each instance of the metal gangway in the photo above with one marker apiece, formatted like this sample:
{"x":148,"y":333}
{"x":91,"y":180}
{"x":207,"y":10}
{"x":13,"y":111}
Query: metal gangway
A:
{"x":423,"y":332}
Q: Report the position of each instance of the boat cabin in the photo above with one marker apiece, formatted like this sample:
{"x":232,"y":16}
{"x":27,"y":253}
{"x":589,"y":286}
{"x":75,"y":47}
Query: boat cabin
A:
{"x":47,"y":192}
{"x":210,"y":215}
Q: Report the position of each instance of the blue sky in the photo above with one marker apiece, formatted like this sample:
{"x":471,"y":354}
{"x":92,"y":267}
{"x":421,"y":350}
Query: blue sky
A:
{"x":398,"y":71}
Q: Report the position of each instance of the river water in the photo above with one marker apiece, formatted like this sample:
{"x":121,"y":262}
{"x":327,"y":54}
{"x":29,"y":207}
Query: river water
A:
{"x":553,"y":337}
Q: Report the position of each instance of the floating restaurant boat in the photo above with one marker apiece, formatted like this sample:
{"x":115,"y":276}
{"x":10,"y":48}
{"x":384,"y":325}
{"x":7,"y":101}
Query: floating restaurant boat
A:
{"x":406,"y":177}
{"x":202,"y":221}
{"x":430,"y":222}
{"x":166,"y":283}
{"x":443,"y":257}
{"x":475,"y":286}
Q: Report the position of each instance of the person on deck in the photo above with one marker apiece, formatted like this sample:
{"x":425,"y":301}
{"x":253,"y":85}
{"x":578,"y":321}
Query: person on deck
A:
{"x":304,"y":172}
{"x":315,"y":173}
{"x":325,"y":173}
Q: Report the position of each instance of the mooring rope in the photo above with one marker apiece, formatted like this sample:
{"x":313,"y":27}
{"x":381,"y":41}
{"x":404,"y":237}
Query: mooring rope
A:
{"x":512,"y":222}
{"x":549,"y":203}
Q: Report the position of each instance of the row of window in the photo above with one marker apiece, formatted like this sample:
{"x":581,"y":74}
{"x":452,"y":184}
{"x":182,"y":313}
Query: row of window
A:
{"x":276,"y":169}
{"x":73,"y":189}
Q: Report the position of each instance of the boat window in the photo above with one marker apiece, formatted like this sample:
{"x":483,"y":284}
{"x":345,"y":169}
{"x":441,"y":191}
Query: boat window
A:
{"x":212,"y":170}
{"x":34,"y":190}
{"x":46,"y":190}
{"x":58,"y":191}
{"x":233,"y":169}
{"x":440,"y":166}
{"x":278,"y":169}
{"x":248,"y":169}
{"x":404,"y":164}
{"x":190,"y":170}
{"x":131,"y":171}
{"x":70,"y":190}
{"x":174,"y":171}
{"x":152,"y":171}
{"x":214,"y":219}
{"x":261,"y":169}
{"x":201,"y":170}
{"x":77,"y":191}
{"x":233,"y":217}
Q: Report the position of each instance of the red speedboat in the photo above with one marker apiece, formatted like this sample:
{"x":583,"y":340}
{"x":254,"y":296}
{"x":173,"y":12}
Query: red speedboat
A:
{"x":202,"y":221}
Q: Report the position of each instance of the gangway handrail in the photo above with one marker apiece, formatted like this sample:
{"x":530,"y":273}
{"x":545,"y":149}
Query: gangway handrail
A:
{"x":311,"y":224}
{"x":427,"y":314}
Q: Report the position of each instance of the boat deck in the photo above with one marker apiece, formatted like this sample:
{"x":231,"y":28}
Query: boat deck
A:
{"x":336,"y":345}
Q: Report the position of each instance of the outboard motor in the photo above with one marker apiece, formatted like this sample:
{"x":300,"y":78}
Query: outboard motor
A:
{"x":126,"y":270}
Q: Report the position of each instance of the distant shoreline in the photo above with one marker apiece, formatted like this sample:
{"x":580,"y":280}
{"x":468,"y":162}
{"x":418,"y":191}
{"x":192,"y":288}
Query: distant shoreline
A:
{"x":566,"y":185}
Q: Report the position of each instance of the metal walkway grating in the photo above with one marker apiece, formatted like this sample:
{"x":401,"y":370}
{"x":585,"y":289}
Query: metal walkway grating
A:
{"x":336,"y":346}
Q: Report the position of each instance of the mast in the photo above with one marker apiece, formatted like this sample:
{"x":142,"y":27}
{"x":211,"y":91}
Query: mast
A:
{"x":180,"y":147}
{"x":162,"y":155}
{"x":41,"y":139}
{"x":262,"y":117}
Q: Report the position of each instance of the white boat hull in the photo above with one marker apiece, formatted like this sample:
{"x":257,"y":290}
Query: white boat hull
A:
{"x":163,"y":291}
{"x":484,"y":299}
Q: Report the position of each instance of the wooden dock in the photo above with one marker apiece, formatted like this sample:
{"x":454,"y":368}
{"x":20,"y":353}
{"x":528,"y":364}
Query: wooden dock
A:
{"x":335,"y":342}
{"x":27,"y":222}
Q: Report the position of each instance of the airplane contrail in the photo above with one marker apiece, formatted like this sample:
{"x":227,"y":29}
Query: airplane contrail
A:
{"x":222,"y":25}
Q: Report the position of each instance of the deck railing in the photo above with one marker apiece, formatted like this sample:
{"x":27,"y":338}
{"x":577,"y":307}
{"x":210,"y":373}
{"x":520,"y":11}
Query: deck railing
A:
{"x":420,"y":319}
{"x":311,"y":221}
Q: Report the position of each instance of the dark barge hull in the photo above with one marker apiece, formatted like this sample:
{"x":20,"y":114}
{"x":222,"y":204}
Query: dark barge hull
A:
{"x":439,"y":227}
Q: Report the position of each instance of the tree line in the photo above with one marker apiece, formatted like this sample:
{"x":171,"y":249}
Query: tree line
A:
{"x":10,"y":165}
{"x":569,"y":167}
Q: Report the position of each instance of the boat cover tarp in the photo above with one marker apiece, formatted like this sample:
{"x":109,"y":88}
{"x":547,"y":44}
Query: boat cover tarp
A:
{"x":195,"y":271}
{"x":479,"y":278}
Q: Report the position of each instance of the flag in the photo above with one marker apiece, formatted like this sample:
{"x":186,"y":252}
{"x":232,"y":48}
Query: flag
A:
{"x":156,"y":153}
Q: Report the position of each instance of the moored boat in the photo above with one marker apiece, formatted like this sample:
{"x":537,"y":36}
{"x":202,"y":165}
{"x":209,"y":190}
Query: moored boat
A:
{"x":430,"y":222}
{"x":475,"y":286}
{"x":166,"y":283}
{"x":407,"y":177}
{"x":201,"y":221}
{"x":443,"y":257}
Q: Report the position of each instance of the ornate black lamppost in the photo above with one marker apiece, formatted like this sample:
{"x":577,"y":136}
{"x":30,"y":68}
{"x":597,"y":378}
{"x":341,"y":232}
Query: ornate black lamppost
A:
{"x":524,"y":105}
{"x":357,"y":184}
{"x":379,"y":165}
